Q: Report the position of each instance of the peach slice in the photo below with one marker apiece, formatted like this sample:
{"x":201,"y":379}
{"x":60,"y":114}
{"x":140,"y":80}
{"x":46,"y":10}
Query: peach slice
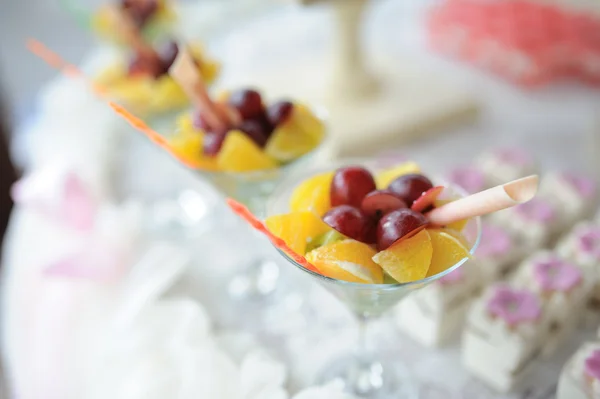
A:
{"x":347,"y":260}
{"x":427,"y":199}
{"x":449,"y":248}
{"x":408,"y":259}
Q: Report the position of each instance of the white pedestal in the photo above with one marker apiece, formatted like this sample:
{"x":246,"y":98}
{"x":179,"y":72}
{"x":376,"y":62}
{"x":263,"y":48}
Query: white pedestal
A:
{"x":409,"y":102}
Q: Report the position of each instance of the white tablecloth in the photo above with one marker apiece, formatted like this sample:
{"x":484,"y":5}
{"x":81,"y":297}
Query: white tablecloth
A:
{"x":62,"y":339}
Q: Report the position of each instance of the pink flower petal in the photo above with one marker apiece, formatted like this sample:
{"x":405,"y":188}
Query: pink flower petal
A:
{"x":592,"y":365}
{"x":78,"y":205}
{"x":87,"y":266}
{"x":514,"y":306}
{"x":555,"y":274}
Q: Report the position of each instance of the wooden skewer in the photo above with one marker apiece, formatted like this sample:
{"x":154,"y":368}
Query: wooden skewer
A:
{"x":185,"y":72}
{"x":127,"y":29}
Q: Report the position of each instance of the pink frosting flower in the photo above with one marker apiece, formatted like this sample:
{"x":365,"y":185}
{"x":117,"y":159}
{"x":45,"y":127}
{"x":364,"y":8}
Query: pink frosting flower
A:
{"x":592,"y":365}
{"x":515,"y":156}
{"x":453,"y":277}
{"x":554,"y":274}
{"x":589,"y":241}
{"x":583,"y":185}
{"x":468,"y":178}
{"x":514,"y":306}
{"x":494,"y":241}
{"x":536,"y":210}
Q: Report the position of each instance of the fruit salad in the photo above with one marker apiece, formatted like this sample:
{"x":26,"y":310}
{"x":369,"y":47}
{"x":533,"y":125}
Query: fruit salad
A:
{"x":149,"y":16}
{"x":355,"y":226}
{"x":144,"y":84}
{"x":266,"y":136}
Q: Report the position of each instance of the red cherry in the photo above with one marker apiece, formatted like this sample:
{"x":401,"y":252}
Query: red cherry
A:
{"x":351,"y":222}
{"x":350,"y":185}
{"x":398,"y":224}
{"x":410,"y":187}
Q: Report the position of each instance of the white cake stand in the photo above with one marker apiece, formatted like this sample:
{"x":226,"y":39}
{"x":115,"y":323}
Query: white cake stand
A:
{"x":375,"y":101}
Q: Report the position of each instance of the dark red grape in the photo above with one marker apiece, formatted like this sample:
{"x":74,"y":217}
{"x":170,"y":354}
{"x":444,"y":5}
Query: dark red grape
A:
{"x":213,"y":142}
{"x":410,"y":187}
{"x":168,"y":54}
{"x":279,"y":112}
{"x":264,"y":121}
{"x":350,"y":185}
{"x":247,"y":102}
{"x":398,"y":224}
{"x":351,"y":222}
{"x":381,"y":202}
{"x":255,"y":130}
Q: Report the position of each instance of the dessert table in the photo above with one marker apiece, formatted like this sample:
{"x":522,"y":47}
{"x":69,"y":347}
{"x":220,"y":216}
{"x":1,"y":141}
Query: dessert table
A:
{"x":162,"y":324}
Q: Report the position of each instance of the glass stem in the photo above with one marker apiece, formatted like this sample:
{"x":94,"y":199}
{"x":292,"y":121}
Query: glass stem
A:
{"x":364,"y":347}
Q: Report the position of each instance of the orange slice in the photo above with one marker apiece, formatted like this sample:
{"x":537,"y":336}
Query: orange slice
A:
{"x":408,"y":259}
{"x":448,"y":250}
{"x":240,"y":154}
{"x":297,"y":229}
{"x":384,"y":178}
{"x":347,"y":260}
{"x":313,"y":195}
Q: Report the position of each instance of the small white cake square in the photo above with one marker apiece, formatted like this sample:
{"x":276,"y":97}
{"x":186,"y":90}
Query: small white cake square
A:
{"x":537,"y":221}
{"x":434,"y":314}
{"x":582,"y":245}
{"x":575,"y":195}
{"x":562,"y":286}
{"x":499,"y":251}
{"x":503,"y":335}
{"x":580,"y":377}
{"x":505,"y":164}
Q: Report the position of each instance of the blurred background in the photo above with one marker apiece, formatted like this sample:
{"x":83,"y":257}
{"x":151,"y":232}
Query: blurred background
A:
{"x":444,"y":82}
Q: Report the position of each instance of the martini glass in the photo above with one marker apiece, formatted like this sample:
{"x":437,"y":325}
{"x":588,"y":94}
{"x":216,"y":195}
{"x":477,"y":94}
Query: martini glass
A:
{"x":367,"y":372}
{"x":259,"y":277}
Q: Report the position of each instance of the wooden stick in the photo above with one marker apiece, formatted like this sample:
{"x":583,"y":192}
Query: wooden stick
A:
{"x":485,"y":202}
{"x":127,"y":29}
{"x":185,"y":72}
